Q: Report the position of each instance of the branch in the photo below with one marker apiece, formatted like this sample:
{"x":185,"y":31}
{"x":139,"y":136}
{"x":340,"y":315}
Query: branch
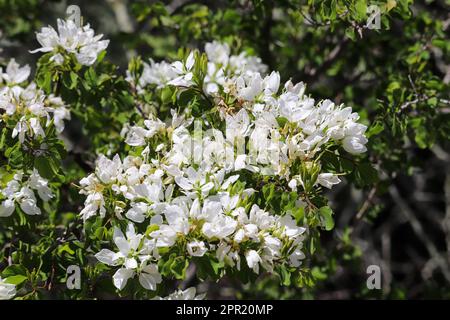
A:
{"x":366,"y":205}
{"x":418,"y":230}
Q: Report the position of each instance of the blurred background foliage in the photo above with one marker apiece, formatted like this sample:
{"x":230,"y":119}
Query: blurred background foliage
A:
{"x":396,"y":77}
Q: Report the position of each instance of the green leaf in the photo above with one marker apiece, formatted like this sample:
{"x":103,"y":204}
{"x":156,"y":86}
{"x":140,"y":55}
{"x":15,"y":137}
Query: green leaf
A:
{"x":312,"y":246}
{"x":3,"y":137}
{"x":282,"y":121}
{"x":285,"y":276}
{"x":179,"y":267}
{"x":91,"y":77}
{"x":100,"y":233}
{"x":66,"y":248}
{"x":375,"y":129}
{"x":166,"y":95}
{"x":365,"y":174}
{"x":268,"y":191}
{"x":350,"y":33}
{"x":14,"y":270}
{"x":317,"y":273}
{"x":45,"y":167}
{"x":360,"y":10}
{"x":16,"y":280}
{"x":298,"y":214}
{"x":327,"y":215}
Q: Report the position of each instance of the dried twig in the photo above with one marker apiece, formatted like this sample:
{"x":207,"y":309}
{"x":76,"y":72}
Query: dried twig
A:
{"x":418,"y":230}
{"x":366,"y":205}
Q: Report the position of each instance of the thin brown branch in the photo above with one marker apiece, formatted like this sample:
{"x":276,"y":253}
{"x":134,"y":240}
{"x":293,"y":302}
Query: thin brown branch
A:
{"x":367,"y":203}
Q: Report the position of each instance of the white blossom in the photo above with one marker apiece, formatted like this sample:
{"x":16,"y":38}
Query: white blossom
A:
{"x":131,"y":260}
{"x":185,"y":188}
{"x":196,"y":248}
{"x":15,"y":74}
{"x":328,"y":180}
{"x":80,"y":41}
{"x":253,"y":260}
{"x":188,"y":294}
{"x":22,"y":192}
{"x":7,"y":290}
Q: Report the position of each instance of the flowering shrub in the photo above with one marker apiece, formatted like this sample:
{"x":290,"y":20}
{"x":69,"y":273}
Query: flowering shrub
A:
{"x":208,"y":162}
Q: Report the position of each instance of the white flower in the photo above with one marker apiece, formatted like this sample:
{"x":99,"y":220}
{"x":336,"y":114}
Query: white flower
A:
{"x":177,"y":219}
{"x":183,"y":70}
{"x":127,"y":248}
{"x":246,"y":65}
{"x":128,"y":257}
{"x":328,"y":180}
{"x":217,"y":52}
{"x":40,"y":185}
{"x":7,"y":290}
{"x":249,"y":89}
{"x":150,"y":276}
{"x":237,"y":126}
{"x":196,"y":248}
{"x":157,"y":73}
{"x":272,"y":246}
{"x":225,"y":253}
{"x":271,"y":83}
{"x":355,"y":145}
{"x":121,"y":277}
{"x":80,"y":41}
{"x":59,"y":114}
{"x":138,"y":212}
{"x":36,"y":127}
{"x":28,"y":109}
{"x":20,"y":130}
{"x":293,"y":184}
{"x":14,"y":73}
{"x":291,"y":230}
{"x":186,"y":183}
{"x":7,"y":208}
{"x":253,"y":260}
{"x":194,"y":180}
{"x":165,"y":236}
{"x":208,"y":211}
{"x":296,"y":257}
{"x":94,"y":203}
{"x":188,"y":294}
{"x":27,"y":202}
{"x":215,"y":77}
{"x":220,"y":227}
{"x":107,"y":170}
{"x":22,"y":192}
{"x":137,"y":136}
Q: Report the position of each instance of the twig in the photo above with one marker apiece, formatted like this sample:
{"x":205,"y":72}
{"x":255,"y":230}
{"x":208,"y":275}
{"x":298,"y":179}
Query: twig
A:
{"x":418,"y":230}
{"x":366,"y":205}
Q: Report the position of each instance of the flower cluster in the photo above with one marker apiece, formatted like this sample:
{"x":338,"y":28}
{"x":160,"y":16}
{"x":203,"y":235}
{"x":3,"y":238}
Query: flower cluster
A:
{"x":22,"y":190}
{"x":197,"y":212}
{"x":189,"y":194}
{"x":7,"y":290}
{"x":71,"y":39}
{"x":182,"y":186}
{"x":26,"y":109}
{"x":220,"y":67}
{"x":281,"y":123}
